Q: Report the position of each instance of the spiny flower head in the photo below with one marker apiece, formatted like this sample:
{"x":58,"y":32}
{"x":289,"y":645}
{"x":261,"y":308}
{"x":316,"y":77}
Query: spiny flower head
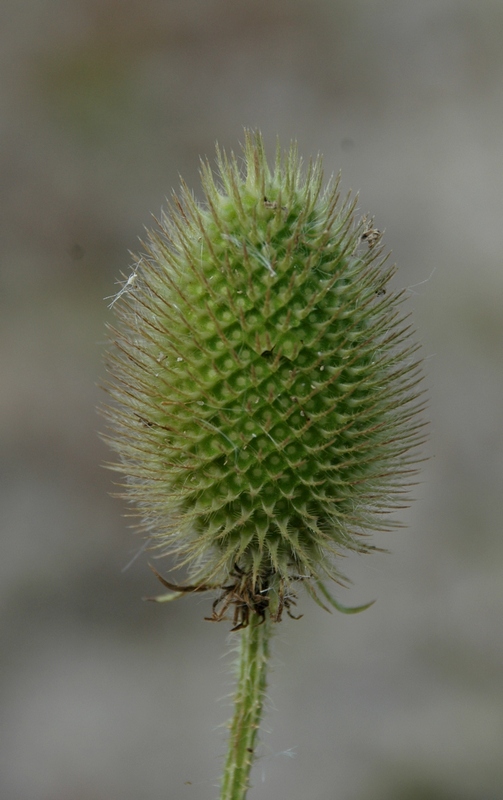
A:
{"x":266,"y":385}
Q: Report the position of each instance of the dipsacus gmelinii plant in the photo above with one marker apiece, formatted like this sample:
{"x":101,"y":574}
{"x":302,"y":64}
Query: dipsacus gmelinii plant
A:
{"x":266,"y":387}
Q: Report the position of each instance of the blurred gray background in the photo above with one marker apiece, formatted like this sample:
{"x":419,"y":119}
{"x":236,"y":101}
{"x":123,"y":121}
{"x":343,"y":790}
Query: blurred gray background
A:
{"x":103,"y":104}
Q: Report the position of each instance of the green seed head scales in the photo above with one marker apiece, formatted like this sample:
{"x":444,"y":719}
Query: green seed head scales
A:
{"x":266,"y":385}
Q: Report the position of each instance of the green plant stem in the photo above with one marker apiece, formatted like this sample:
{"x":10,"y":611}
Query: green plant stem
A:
{"x":248,"y":704}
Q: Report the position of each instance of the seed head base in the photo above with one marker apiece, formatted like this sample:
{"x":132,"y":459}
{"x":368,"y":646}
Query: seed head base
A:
{"x":247,"y":595}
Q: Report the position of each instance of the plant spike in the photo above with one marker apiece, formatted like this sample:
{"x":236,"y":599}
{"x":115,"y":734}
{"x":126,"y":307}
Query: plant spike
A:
{"x":267,"y":399}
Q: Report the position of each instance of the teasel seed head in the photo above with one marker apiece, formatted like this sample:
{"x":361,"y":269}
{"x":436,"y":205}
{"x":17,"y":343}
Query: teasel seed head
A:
{"x":266,"y":384}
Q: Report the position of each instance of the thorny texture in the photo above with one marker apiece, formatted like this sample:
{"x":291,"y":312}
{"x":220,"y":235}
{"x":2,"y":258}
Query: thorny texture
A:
{"x":248,"y":706}
{"x":266,"y":385}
